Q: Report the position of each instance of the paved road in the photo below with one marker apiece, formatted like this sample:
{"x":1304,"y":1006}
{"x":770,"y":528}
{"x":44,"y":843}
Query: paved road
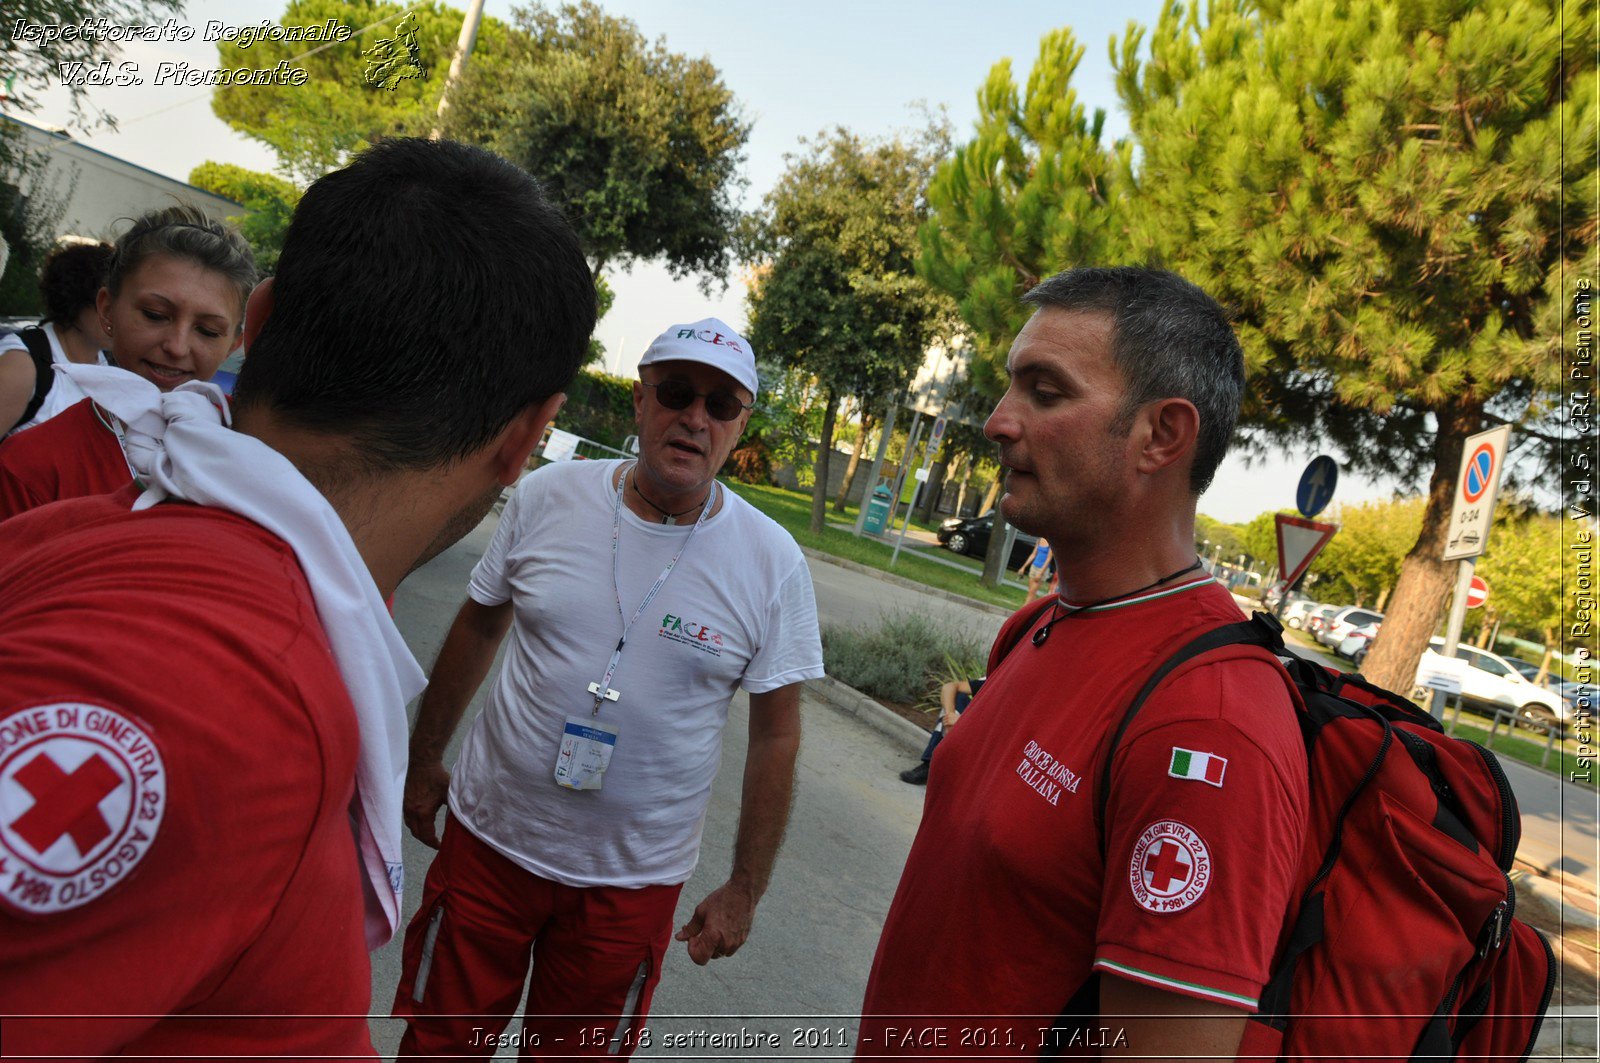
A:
{"x":852,"y":599}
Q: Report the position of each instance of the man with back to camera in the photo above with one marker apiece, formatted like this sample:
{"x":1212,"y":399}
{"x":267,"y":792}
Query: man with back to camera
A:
{"x":1124,"y":388}
{"x":641,"y":595}
{"x":202,"y":696}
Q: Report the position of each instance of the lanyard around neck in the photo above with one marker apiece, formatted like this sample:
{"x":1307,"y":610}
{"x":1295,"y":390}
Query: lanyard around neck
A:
{"x":602,"y":690}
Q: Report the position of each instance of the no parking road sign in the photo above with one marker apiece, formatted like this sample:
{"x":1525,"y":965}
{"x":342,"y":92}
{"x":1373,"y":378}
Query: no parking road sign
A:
{"x":1483,"y":458}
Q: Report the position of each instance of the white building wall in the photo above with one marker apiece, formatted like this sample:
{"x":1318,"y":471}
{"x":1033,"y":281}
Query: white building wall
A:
{"x":109,"y":191}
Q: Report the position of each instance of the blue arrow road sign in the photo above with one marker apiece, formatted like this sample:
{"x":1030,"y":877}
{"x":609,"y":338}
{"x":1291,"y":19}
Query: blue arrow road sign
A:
{"x":1316,"y":485}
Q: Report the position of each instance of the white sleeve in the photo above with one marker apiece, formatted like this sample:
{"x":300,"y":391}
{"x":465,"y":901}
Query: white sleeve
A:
{"x":491,"y":576}
{"x":791,"y":649}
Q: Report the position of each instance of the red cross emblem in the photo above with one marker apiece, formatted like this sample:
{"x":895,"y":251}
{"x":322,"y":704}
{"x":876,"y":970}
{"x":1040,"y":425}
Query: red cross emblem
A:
{"x":1167,"y":866}
{"x":65,"y":803}
{"x":1171,"y":867}
{"x":83,"y":791}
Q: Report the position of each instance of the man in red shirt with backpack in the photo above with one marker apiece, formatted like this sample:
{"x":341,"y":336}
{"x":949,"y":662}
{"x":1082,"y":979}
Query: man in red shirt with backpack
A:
{"x":1149,"y":902}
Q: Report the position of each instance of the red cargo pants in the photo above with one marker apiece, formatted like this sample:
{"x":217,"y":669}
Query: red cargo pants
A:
{"x":596,"y":952}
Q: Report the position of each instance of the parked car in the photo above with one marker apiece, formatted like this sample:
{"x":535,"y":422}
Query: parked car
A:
{"x":1585,"y":696}
{"x":1354,"y":646}
{"x":1489,"y":681}
{"x":1295,"y":613}
{"x":1345,"y":621}
{"x":970,"y":535}
{"x":1319,"y":617}
{"x":1528,"y":670}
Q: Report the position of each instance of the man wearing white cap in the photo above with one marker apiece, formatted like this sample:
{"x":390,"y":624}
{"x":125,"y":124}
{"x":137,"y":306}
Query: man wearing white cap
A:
{"x":642,"y":595}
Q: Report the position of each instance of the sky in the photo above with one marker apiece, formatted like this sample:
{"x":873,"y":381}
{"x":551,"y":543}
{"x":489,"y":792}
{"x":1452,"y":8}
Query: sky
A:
{"x":797,"y":70}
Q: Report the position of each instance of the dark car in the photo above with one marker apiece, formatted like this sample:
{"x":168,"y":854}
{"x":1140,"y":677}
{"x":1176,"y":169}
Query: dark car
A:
{"x":970,"y":535}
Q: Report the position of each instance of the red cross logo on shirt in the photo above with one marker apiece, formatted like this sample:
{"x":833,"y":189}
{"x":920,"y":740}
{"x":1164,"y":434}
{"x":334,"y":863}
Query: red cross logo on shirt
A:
{"x":1163,"y":868}
{"x":65,"y":804}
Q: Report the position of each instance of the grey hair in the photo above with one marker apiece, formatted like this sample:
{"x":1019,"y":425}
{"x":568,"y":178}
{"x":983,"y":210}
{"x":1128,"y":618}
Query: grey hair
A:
{"x":183,"y":231}
{"x":1169,"y":340}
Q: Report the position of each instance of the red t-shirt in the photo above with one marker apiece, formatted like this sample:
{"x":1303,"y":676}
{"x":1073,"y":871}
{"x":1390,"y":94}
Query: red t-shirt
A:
{"x":71,"y":455}
{"x":1005,"y":906}
{"x":177,"y":757}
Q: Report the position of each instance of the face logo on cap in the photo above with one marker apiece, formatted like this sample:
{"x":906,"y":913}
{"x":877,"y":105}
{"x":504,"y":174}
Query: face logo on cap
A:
{"x":83,"y":790}
{"x":709,"y":336}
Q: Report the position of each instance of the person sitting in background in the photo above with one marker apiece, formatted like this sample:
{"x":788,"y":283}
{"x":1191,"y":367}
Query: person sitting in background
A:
{"x":954,"y":697}
{"x":70,"y":334}
{"x":173,"y":305}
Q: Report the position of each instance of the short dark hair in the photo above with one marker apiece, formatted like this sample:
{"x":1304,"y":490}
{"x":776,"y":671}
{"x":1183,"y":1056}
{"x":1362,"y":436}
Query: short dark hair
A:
{"x":71,"y":279}
{"x":1169,"y":339}
{"x":426,"y":294}
{"x":183,"y":231}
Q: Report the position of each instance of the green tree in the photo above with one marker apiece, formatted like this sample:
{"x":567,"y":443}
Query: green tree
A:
{"x":838,"y":295}
{"x":1386,"y":195}
{"x":1362,"y":561}
{"x":316,"y":127}
{"x":1027,"y":195}
{"x":268,"y":201}
{"x":640,"y":144}
{"x":1383,"y":212}
{"x":29,"y":66}
{"x":1218,"y":539}
{"x":1522,"y":568}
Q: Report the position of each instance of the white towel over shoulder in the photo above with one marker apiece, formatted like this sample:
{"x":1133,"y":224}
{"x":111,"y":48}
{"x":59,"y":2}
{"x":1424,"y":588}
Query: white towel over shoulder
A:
{"x":180,"y":445}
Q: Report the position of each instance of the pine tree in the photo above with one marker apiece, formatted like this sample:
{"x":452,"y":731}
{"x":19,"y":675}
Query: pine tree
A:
{"x":1377,"y":190}
{"x":1025,"y":197}
{"x":1392,"y":197}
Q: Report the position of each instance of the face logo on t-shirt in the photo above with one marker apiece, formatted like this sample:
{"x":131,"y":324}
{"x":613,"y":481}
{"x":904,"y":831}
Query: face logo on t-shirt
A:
{"x":82,"y":793}
{"x":690,"y":633}
{"x":1171,"y":867}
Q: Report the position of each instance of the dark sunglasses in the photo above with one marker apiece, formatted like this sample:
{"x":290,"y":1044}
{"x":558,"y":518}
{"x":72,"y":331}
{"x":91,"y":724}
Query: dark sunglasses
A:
{"x":679,"y":394}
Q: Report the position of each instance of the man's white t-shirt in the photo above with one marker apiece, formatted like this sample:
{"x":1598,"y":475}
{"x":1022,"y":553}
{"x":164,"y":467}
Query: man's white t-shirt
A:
{"x":737,"y":610}
{"x":64,"y":392}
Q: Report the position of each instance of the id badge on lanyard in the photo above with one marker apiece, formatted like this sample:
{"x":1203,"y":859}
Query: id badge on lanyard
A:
{"x":586,"y":747}
{"x":587,"y":742}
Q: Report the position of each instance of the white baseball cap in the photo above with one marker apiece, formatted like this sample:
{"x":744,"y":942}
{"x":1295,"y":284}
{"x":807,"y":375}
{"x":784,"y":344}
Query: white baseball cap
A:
{"x":709,"y":342}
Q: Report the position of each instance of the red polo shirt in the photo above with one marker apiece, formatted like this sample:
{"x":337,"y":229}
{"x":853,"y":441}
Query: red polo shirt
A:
{"x":177,"y":757}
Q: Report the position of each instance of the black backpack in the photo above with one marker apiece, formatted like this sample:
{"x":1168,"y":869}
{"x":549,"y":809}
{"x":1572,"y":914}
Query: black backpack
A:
{"x":38,"y":345}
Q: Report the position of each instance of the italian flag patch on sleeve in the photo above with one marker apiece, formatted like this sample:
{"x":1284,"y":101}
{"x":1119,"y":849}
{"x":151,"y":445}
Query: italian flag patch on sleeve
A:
{"x":1201,"y":767}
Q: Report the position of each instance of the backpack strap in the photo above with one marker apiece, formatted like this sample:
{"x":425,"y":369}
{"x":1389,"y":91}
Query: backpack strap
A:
{"x":44,"y":373}
{"x":1261,"y":630}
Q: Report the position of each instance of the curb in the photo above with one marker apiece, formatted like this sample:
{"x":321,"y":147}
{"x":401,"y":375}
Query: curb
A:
{"x":1567,"y":1033}
{"x":911,"y":584}
{"x":1563,"y":896}
{"x":850,"y":701}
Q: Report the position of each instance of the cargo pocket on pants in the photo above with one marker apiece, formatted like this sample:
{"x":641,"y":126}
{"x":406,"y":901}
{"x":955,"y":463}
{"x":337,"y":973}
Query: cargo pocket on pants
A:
{"x":425,"y":964}
{"x":635,"y":1006}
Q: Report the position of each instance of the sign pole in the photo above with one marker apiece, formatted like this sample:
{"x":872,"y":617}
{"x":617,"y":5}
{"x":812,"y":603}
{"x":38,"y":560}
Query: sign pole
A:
{"x":1452,"y":631}
{"x":877,"y":464}
{"x":1471,"y":518}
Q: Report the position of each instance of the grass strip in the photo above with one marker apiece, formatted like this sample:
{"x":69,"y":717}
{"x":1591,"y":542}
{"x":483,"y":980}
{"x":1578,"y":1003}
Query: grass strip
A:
{"x":792,"y":510}
{"x":1529,"y":750}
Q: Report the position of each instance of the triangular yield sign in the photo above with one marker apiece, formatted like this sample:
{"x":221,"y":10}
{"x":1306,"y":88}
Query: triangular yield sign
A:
{"x":1299,"y":543}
